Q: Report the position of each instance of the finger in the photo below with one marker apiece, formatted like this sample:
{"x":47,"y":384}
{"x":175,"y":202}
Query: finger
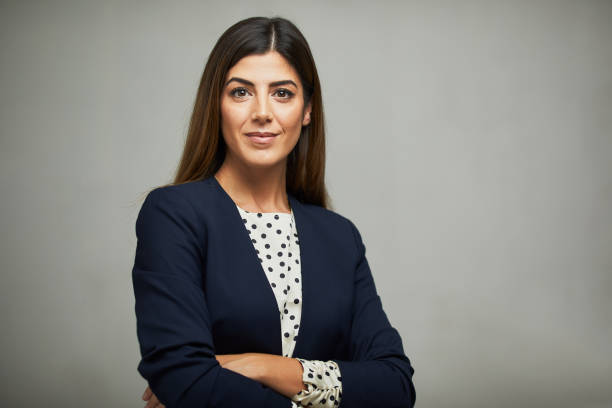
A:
{"x":153,"y":402}
{"x":147,"y":393}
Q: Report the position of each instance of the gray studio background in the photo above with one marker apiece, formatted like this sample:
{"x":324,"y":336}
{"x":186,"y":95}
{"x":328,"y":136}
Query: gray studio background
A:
{"x":470,"y":142}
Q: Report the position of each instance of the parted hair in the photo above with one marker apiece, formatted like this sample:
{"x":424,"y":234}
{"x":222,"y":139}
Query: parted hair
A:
{"x":205,"y":149}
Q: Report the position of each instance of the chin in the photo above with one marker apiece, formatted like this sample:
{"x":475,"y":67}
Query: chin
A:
{"x":260,"y":162}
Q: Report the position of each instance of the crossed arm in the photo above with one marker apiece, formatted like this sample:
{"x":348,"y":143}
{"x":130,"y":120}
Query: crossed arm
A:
{"x":282,"y":374}
{"x":175,"y":331}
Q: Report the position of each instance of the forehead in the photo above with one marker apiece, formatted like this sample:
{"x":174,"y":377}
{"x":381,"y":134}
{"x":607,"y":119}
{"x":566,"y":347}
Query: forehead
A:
{"x":263,"y":68}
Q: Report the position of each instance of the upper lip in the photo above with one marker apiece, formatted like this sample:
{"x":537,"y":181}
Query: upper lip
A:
{"x":261,"y":134}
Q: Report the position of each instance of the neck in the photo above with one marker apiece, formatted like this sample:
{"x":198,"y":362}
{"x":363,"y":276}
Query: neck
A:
{"x":255,"y":189}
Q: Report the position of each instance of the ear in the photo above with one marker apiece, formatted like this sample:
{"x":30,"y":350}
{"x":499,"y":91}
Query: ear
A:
{"x":307,"y":111}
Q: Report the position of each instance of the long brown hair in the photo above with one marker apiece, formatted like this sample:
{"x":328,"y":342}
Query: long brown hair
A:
{"x":205,"y":149}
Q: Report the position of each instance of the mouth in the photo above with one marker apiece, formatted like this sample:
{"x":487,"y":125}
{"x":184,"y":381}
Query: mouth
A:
{"x":262,"y":134}
{"x":262,"y":137}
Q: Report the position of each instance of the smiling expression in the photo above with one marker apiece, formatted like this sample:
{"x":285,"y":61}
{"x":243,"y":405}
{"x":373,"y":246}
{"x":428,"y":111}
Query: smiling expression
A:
{"x":262,"y":94}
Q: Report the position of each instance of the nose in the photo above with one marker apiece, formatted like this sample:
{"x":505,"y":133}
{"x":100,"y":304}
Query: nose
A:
{"x":261,"y":111}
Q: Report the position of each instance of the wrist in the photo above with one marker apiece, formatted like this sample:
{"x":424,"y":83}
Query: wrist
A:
{"x":301,"y":367}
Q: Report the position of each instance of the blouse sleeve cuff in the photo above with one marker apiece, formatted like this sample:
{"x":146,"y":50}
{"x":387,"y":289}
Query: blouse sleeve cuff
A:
{"x":323,"y":384}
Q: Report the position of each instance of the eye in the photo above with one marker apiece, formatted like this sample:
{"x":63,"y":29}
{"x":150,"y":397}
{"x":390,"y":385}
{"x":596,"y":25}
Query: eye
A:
{"x":284,"y":93}
{"x":241,"y":89}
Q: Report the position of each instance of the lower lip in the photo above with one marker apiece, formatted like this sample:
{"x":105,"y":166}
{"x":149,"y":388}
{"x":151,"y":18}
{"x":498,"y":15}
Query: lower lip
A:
{"x":262,"y":140}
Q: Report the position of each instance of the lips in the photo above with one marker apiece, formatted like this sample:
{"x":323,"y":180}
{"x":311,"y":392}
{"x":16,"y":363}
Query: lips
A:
{"x":262,"y":138}
{"x":261,"y":134}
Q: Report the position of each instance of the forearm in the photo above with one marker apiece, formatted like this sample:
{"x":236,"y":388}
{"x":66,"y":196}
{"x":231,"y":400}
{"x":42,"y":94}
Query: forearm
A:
{"x":282,"y":374}
{"x":318,"y":382}
{"x":223,"y":359}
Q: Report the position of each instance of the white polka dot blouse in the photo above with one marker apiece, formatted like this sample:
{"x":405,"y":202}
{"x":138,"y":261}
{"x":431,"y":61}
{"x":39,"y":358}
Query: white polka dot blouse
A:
{"x":275,"y":238}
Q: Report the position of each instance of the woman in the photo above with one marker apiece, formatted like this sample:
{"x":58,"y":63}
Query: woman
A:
{"x":245,"y":232}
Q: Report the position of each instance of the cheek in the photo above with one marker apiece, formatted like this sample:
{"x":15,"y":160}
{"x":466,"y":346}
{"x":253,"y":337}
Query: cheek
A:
{"x":231,"y":116}
{"x":290,"y":118}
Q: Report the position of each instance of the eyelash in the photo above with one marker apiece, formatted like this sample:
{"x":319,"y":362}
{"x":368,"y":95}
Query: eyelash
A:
{"x":289,"y":93}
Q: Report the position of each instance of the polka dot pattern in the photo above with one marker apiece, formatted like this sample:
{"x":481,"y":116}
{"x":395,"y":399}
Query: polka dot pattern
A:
{"x":275,"y":238}
{"x":271,"y":235}
{"x":323,"y":384}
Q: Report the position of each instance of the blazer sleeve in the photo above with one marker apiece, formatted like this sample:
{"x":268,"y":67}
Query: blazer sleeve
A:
{"x":378,"y":374}
{"x":173,"y":324}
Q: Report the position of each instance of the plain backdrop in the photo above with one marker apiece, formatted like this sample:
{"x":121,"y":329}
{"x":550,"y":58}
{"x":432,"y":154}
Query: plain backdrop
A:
{"x":470,"y":142}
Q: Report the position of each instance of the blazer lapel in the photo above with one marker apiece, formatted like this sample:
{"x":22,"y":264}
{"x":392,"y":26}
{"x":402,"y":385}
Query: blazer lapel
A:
{"x":248,"y":278}
{"x":247,"y":270}
{"x":305,"y":237}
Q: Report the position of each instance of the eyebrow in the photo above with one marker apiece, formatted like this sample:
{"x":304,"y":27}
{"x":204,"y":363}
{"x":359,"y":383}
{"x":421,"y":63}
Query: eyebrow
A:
{"x":275,"y":83}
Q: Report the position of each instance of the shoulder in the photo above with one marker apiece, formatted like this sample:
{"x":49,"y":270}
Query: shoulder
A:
{"x":191,"y":192}
{"x":333,"y":222}
{"x":326,"y":215}
{"x":176,"y":205}
{"x":190,"y":198}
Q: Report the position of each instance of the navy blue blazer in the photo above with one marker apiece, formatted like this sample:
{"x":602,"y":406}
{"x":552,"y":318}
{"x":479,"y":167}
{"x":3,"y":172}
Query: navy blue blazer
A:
{"x":200,"y":290}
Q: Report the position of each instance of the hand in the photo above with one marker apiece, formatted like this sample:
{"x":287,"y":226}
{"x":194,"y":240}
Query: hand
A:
{"x":153,"y":402}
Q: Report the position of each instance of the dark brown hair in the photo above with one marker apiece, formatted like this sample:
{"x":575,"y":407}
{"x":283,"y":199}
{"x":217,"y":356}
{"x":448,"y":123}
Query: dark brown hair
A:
{"x":205,"y":149}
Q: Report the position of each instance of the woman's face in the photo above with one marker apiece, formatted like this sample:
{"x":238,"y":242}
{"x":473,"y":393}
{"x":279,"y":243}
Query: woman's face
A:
{"x":262,"y":94}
